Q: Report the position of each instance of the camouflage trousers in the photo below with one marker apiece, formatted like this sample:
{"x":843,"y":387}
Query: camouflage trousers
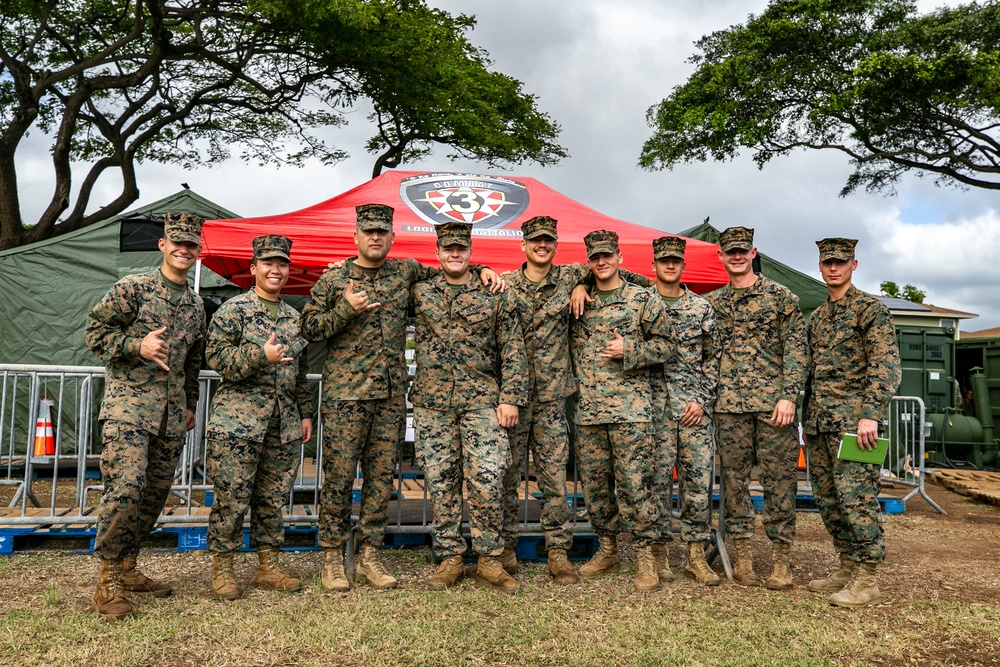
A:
{"x":543,"y":428}
{"x":622,"y":456}
{"x":739,"y":437}
{"x":467,"y":445}
{"x":846,"y":495}
{"x":692,"y":450}
{"x":252,"y":474}
{"x":137,"y":469}
{"x":370,"y":432}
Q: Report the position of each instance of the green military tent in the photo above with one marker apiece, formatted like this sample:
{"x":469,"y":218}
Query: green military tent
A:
{"x":811,"y":292}
{"x":50,"y":286}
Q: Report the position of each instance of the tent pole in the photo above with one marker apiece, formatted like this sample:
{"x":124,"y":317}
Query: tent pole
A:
{"x":197,"y":276}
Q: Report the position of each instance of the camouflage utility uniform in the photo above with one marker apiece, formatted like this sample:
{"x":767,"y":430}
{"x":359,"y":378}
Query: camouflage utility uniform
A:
{"x":691,"y":377}
{"x":256,"y":424}
{"x":615,"y":416}
{"x":854,"y":373}
{"x":364,"y":391}
{"x":470,"y":358}
{"x":764,"y":359}
{"x":544,"y":312}
{"x":143,"y":414}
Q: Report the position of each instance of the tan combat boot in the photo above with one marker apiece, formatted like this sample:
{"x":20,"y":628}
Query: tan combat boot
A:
{"x":836,"y":580}
{"x":508,"y":558}
{"x":605,"y":561}
{"x":490,"y":572}
{"x":370,"y":569}
{"x":781,"y":572}
{"x":647,"y":579}
{"x":861,"y":590}
{"x":270,"y":576}
{"x":333,"y":577}
{"x":743,"y":569}
{"x":224,"y":583}
{"x":661,"y":553}
{"x":560,"y":568}
{"x":109,"y":596}
{"x":137,"y":582}
{"x":448,"y":573}
{"x":697,"y":567}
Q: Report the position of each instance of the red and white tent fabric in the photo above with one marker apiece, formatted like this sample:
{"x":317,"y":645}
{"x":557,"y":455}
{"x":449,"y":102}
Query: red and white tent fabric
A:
{"x":496,"y":205}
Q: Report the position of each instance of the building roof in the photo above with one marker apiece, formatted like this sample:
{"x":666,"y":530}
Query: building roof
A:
{"x":893,"y":304}
{"x":959,"y":314}
{"x":904,"y":307}
{"x":982,"y":333}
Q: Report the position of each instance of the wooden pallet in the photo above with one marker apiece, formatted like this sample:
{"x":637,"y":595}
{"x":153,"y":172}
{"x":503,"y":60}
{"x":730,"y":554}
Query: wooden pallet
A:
{"x":979,"y":484}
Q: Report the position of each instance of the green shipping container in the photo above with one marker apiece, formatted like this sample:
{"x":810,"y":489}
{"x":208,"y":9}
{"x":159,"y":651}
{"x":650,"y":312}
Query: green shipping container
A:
{"x":928,"y":357}
{"x":980,"y":353}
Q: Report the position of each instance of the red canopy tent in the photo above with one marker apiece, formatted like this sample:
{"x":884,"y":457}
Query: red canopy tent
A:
{"x":495,"y":205}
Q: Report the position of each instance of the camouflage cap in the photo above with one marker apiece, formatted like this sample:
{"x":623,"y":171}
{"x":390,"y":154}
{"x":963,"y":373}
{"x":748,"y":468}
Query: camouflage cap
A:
{"x":600,"y":241}
{"x":736,"y":238}
{"x":540,"y":225}
{"x":272,"y":245}
{"x":669,"y":246}
{"x":842,"y":249}
{"x":454,"y":233}
{"x":183,"y":228}
{"x":374,"y":217}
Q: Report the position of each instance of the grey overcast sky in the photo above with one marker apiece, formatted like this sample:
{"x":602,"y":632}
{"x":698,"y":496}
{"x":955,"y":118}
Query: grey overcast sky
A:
{"x":596,"y":67}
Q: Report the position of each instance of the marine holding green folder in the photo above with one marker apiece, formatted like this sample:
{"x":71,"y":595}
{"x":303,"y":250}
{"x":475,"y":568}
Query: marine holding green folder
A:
{"x":851,"y":450}
{"x":854,"y":372}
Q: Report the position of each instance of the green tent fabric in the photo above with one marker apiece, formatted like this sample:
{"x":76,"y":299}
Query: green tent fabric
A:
{"x":811,"y":292}
{"x":50,"y":286}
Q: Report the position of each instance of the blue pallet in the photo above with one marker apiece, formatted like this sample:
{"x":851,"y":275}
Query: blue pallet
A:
{"x":8,"y":539}
{"x":401,"y":540}
{"x":806,"y":502}
{"x":531,"y":548}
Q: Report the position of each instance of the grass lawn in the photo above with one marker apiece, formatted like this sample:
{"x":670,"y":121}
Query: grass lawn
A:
{"x":941,"y":585}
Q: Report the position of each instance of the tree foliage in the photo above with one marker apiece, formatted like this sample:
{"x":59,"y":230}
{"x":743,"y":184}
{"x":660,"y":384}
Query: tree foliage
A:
{"x":894,"y":90}
{"x":114,"y":83}
{"x":908,"y":292}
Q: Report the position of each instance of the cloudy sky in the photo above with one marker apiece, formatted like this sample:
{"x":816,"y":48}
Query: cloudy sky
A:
{"x":596,"y":67}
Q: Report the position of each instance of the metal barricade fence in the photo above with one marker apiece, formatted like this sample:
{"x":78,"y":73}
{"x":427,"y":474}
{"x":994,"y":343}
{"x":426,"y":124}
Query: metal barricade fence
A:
{"x":906,"y":430}
{"x":77,"y":391}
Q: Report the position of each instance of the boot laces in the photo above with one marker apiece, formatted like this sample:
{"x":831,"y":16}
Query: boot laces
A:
{"x":117,"y":579}
{"x":335,"y":566}
{"x":373,"y":563}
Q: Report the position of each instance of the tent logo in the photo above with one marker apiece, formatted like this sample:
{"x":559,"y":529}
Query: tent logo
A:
{"x":488,"y":202}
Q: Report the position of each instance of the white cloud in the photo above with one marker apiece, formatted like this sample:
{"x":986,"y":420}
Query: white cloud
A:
{"x":952,"y":260}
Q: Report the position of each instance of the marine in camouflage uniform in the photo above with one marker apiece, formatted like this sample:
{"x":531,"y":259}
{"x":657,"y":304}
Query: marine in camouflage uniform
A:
{"x":543,"y":307}
{"x":360,"y":311}
{"x":614,"y":344}
{"x":762,"y":368}
{"x":149,"y":330}
{"x":260,"y":413}
{"x":685,"y":394}
{"x":854,"y":372}
{"x":471,"y":375}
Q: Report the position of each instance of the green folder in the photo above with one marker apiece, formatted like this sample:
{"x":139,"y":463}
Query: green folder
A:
{"x":849,"y":450}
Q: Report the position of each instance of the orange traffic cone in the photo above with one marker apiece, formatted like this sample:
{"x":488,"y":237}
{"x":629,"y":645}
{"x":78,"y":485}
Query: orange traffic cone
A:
{"x":45,"y":442}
